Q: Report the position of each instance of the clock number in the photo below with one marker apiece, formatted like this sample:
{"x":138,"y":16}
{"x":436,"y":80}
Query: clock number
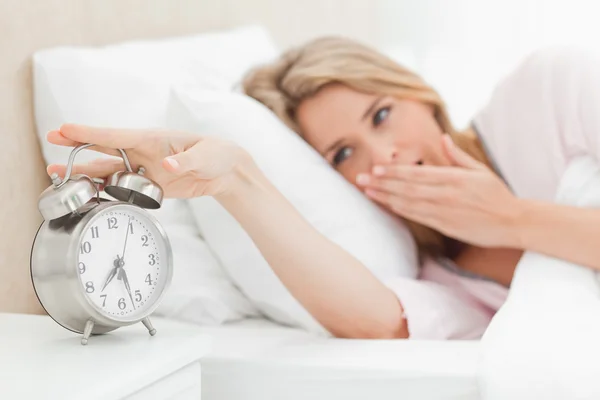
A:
{"x":145,"y":241}
{"x":104,"y":302}
{"x":81,"y":268}
{"x":89,"y":287}
{"x":131,"y":228}
{"x":152,"y":259}
{"x":138,"y":296}
{"x":95,"y":232}
{"x":112,"y":223}
{"x":148,"y":280}
{"x":122,"y":304}
{"x":86,"y":247}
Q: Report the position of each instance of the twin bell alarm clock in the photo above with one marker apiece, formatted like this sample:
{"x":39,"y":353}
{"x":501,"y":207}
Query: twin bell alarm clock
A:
{"x":99,"y":264}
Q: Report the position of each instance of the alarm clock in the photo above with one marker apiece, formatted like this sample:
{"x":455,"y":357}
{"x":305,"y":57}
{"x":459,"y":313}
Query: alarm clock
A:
{"x":99,"y":264}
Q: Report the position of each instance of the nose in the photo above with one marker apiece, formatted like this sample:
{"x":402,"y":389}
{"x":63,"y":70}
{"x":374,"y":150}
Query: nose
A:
{"x":384,"y":154}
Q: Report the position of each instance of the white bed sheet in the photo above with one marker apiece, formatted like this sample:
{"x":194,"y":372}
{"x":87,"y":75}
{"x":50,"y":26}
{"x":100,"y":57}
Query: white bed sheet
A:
{"x":258,"y":360}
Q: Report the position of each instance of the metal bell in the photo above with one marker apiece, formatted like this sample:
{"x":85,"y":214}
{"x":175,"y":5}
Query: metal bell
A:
{"x":134,"y":188}
{"x":63,"y":198}
{"x":69,"y":194}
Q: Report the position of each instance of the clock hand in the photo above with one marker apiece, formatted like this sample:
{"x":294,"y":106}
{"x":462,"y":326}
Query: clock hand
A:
{"x":126,"y":236}
{"x":123,"y":276}
{"x":112,"y":273}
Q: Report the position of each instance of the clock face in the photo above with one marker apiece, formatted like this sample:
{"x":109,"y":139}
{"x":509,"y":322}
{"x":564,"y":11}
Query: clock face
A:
{"x":123,"y":262}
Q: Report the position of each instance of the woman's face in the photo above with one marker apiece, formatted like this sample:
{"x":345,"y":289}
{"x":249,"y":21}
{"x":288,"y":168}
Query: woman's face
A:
{"x":355,"y":131}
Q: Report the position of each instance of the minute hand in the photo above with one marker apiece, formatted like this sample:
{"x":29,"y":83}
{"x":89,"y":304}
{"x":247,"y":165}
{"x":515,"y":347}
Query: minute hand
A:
{"x":123,"y":276}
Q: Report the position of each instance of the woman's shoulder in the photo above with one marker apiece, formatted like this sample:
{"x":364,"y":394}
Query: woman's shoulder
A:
{"x":553,"y":67}
{"x":531,"y":120}
{"x":547,"y":85}
{"x":559,"y":56}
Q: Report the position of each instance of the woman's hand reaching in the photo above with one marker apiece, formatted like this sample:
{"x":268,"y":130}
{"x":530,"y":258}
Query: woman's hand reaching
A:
{"x":185,"y":165}
{"x":466,"y":201}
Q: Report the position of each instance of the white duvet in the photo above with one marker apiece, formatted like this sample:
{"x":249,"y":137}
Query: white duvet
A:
{"x":543,"y":343}
{"x":258,"y":360}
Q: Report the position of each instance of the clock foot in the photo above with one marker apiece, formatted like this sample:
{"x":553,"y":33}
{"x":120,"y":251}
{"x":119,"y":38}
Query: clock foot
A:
{"x":87,"y":331}
{"x":148,"y":325}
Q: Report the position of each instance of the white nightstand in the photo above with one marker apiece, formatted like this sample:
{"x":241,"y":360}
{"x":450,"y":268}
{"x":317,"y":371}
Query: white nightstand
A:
{"x":41,"y":360}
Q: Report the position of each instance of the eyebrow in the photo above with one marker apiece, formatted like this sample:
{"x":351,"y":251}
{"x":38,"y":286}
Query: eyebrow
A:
{"x":333,"y":146}
{"x":372,"y":107}
{"x":374,"y":104}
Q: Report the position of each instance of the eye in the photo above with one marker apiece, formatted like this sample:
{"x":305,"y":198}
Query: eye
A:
{"x":381,"y":115}
{"x":341,"y":155}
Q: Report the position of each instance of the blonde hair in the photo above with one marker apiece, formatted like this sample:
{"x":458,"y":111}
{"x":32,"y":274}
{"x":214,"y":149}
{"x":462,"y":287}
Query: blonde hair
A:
{"x":301,"y":72}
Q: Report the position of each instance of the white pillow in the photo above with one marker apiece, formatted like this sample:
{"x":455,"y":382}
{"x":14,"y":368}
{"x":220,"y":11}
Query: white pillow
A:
{"x":332,"y":205}
{"x":127,"y":85}
{"x":200,"y":292}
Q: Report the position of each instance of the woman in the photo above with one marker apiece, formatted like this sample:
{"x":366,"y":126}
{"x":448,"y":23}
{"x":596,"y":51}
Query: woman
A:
{"x":384,"y":129}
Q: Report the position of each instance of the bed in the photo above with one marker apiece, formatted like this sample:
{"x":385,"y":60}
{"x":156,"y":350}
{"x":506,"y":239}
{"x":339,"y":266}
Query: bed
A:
{"x":272,"y":362}
{"x":266,"y":361}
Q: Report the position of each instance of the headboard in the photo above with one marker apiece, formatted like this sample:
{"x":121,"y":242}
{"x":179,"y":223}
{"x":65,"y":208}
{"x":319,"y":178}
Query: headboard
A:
{"x":27,"y":26}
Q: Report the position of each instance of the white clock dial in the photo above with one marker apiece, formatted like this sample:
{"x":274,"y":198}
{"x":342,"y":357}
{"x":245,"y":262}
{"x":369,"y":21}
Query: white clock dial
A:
{"x":123,"y":263}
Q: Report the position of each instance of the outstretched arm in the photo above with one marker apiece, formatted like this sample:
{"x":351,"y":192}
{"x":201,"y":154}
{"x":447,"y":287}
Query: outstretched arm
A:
{"x":333,"y":286}
{"x":566,"y":232}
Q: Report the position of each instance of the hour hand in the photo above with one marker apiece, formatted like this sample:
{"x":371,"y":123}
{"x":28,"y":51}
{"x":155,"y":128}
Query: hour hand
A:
{"x":110,"y":277}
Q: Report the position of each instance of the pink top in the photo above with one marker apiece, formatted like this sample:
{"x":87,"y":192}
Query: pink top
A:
{"x":539,"y":117}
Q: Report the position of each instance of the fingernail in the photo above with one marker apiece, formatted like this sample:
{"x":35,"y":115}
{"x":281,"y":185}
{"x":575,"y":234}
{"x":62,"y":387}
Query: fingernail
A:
{"x":378,"y":170}
{"x":370,"y":193}
{"x":362,"y":179}
{"x":172,"y":162}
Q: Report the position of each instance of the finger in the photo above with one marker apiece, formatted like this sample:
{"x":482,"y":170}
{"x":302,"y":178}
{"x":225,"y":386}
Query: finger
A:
{"x":99,"y":168}
{"x":458,"y":156}
{"x":410,"y":190}
{"x":423,"y":212}
{"x":425,"y":174}
{"x":103,"y":137}
{"x":187,"y":161}
{"x":200,"y":159}
{"x":56,"y":137}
